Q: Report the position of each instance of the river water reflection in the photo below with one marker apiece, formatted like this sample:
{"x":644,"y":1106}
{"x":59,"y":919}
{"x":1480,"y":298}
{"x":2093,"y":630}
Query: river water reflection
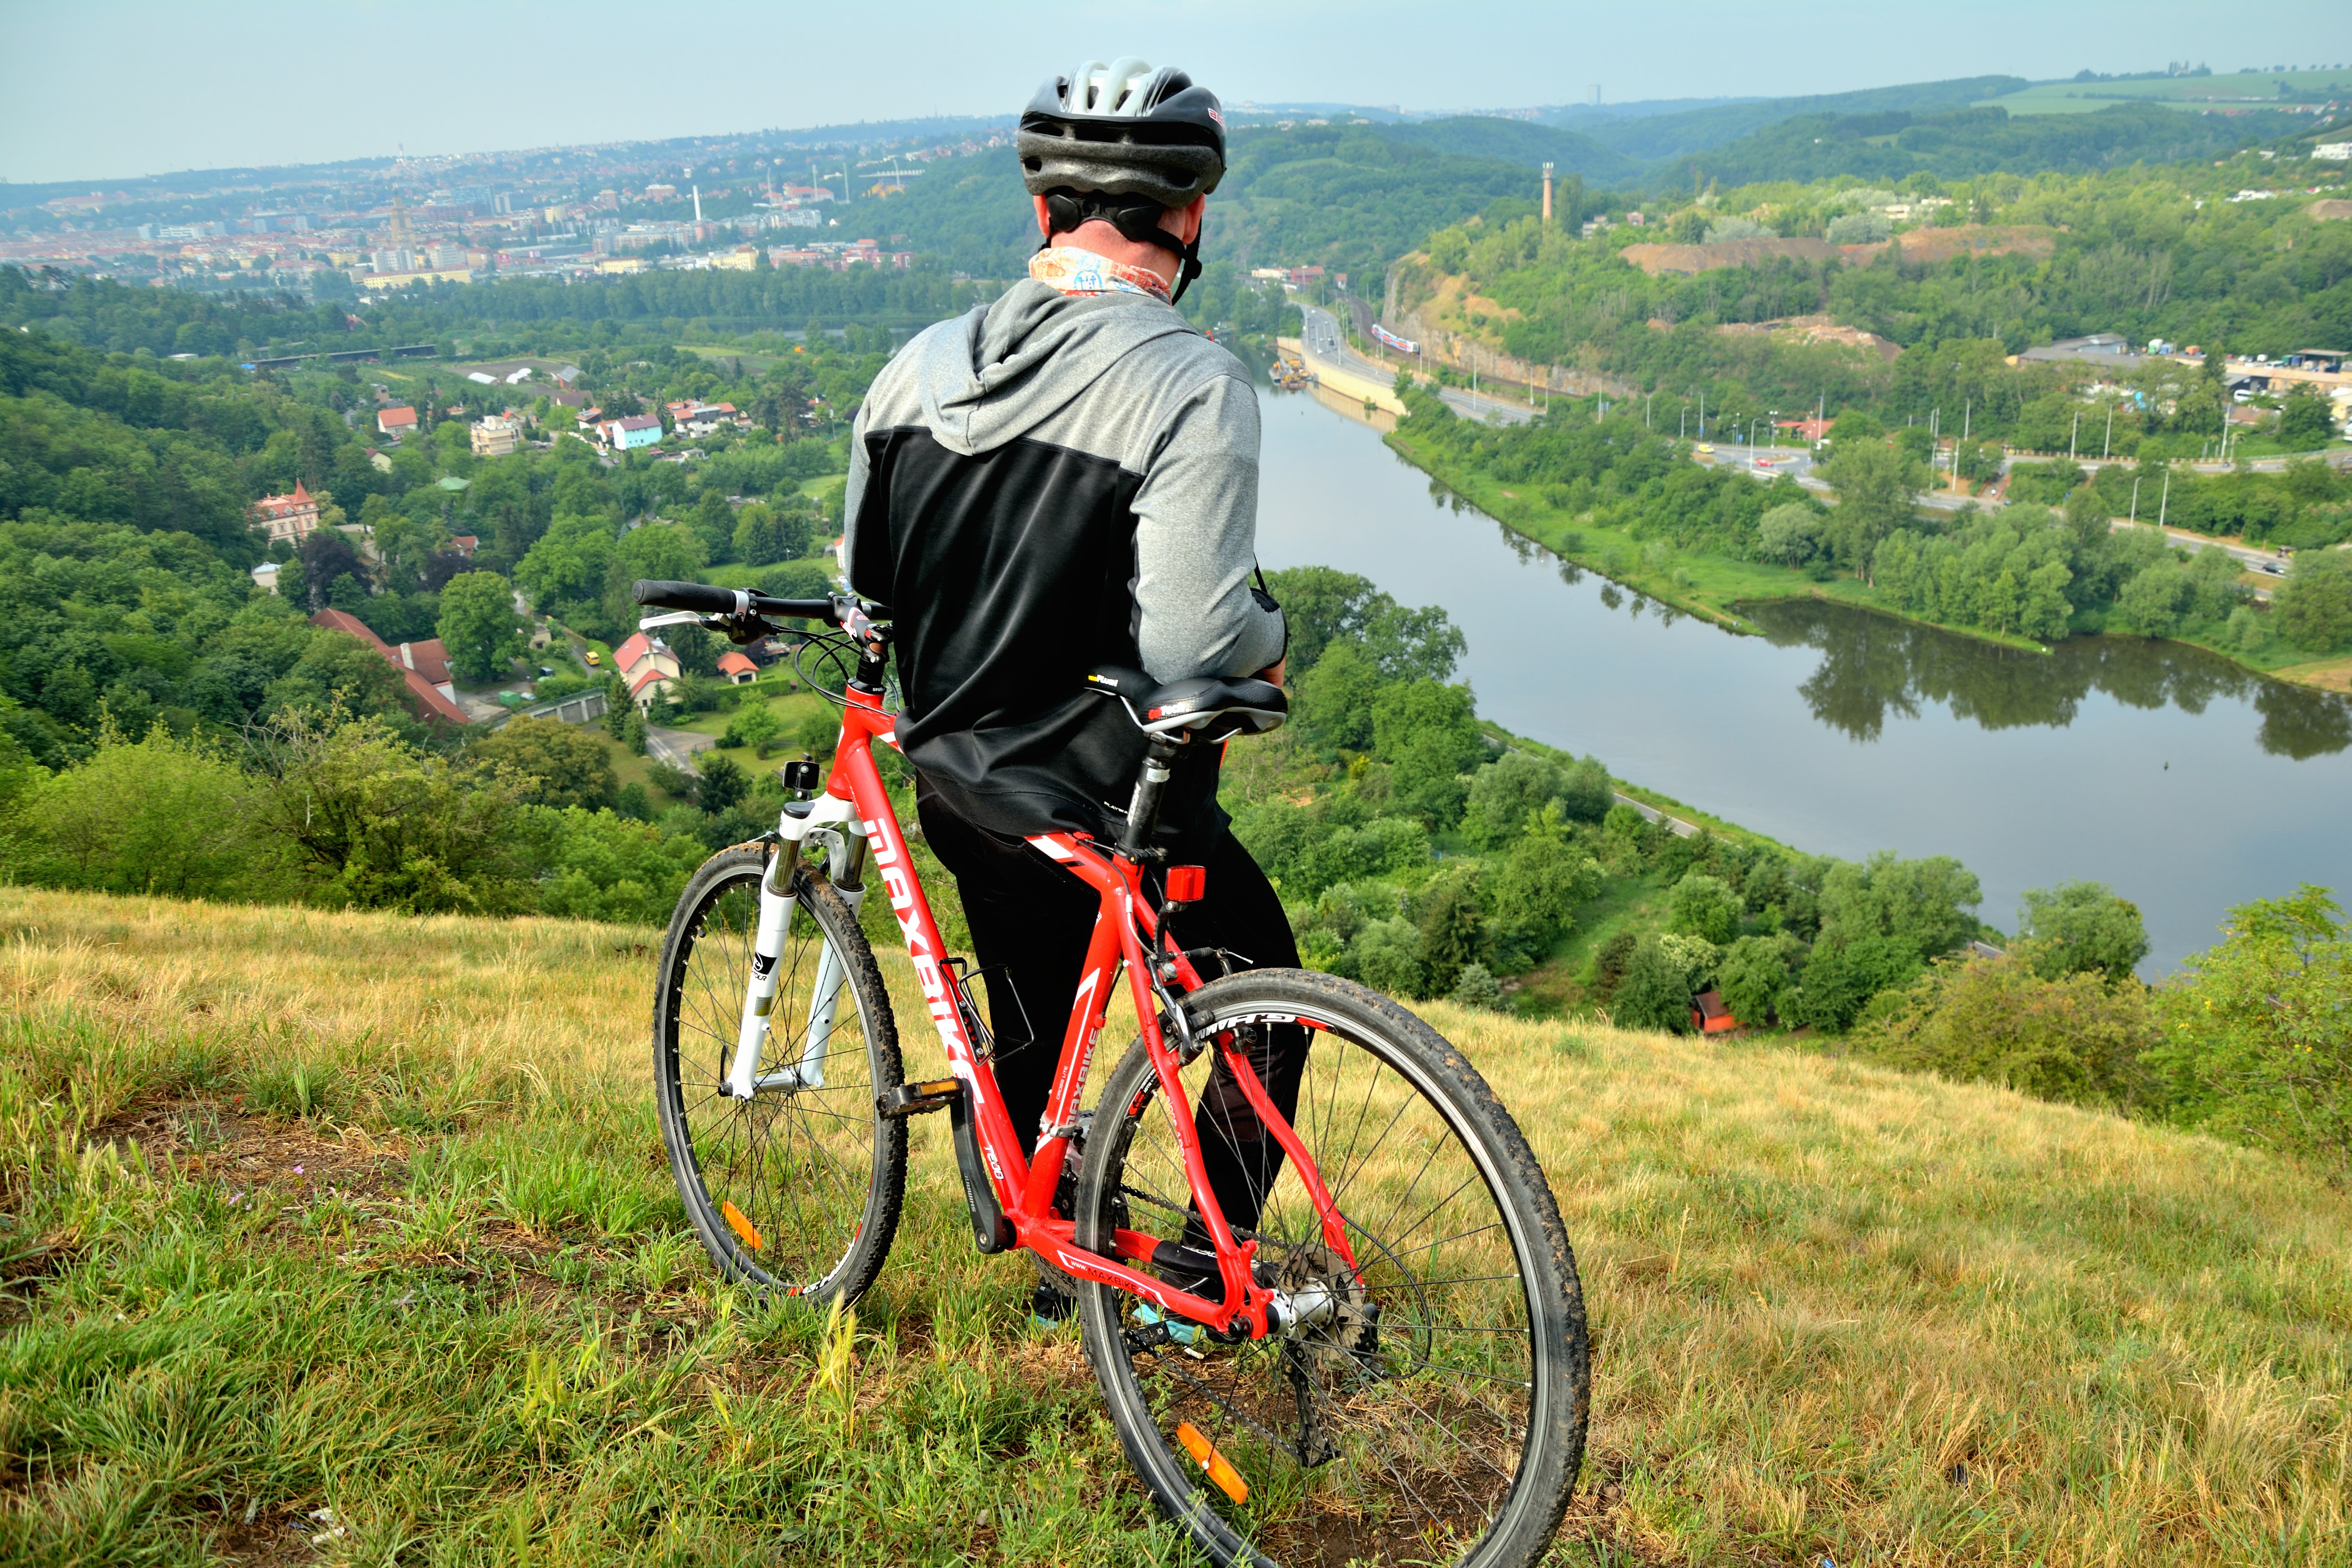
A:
{"x":2186,"y":783}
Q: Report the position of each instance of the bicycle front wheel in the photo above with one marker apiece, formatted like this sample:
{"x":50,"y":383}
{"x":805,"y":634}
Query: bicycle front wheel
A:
{"x":797,"y":1189}
{"x":1432,"y":1408}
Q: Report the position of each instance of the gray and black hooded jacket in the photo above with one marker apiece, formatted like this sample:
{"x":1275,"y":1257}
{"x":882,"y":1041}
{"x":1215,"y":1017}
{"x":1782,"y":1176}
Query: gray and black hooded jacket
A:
{"x":1041,"y":485}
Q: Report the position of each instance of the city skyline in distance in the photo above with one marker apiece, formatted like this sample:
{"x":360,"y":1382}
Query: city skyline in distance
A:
{"x":114,"y":89}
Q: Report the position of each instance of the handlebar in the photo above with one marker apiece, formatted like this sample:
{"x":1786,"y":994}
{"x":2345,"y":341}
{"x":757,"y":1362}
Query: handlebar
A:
{"x":703,"y":599}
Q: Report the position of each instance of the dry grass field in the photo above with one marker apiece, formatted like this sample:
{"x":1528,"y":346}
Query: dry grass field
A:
{"x":349,"y":1238}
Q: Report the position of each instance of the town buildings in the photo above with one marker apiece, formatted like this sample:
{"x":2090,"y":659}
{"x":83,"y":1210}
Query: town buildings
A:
{"x":630,"y":433}
{"x":495,"y":435}
{"x":291,"y":518}
{"x":395,"y":421}
{"x":424,"y":666}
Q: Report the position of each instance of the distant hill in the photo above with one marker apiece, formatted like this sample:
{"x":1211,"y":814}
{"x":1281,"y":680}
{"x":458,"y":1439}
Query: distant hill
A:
{"x":1663,"y":136}
{"x":1519,"y":142}
{"x":1352,"y":198}
{"x":1888,"y":146}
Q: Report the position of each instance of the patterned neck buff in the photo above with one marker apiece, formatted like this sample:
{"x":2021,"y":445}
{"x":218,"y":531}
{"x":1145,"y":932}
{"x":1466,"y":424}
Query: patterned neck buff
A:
{"x":1075,"y":271}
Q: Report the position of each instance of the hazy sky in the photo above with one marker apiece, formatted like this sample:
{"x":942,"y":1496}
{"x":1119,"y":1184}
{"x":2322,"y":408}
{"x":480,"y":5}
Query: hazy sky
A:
{"x":106,"y":88}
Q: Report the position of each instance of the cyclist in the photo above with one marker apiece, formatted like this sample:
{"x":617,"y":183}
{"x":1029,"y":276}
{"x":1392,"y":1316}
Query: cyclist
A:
{"x":1065,"y":478}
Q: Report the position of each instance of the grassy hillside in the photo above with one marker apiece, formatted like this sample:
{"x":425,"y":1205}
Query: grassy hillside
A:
{"x":358,"y":1226}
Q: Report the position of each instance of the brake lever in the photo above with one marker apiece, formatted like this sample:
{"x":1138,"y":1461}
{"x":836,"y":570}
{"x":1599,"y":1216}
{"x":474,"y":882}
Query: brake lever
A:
{"x":737,"y":629}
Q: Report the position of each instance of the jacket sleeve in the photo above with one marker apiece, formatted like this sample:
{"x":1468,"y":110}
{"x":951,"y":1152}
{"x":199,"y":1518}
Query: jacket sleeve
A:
{"x":852,"y":494}
{"x":1196,"y":542}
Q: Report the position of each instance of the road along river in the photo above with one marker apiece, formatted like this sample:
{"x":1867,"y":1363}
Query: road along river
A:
{"x":2182,"y":781}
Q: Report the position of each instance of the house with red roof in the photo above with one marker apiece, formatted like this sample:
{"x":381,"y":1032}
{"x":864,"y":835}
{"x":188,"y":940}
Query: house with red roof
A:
{"x":735,"y":670}
{"x":424,"y":666}
{"x":288,"y":517}
{"x":396,"y":422}
{"x":649,"y":667}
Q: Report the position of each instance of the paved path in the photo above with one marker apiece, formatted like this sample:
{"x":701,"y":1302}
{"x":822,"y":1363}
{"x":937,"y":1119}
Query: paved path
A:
{"x":676,"y":747}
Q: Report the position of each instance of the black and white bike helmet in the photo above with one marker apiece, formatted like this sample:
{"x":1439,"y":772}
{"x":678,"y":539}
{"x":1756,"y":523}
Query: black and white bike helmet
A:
{"x":1124,"y":142}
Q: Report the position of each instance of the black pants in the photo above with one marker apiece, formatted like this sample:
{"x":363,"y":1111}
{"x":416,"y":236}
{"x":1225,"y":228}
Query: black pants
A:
{"x":1031,"y":923}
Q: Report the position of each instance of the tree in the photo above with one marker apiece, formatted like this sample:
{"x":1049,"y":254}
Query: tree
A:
{"x":2313,"y":609}
{"x":1789,"y":533}
{"x":724,"y":782}
{"x":1428,"y":735}
{"x":766,"y":534}
{"x":2254,"y":1046}
{"x":478,"y":626}
{"x":1705,"y":906}
{"x":338,"y":670}
{"x":2150,"y":604}
{"x":2082,"y":928}
{"x":1877,"y":488}
{"x":552,"y":763}
{"x":1507,"y":793}
{"x":1540,"y":884}
{"x":1750,"y":979}
{"x":326,"y":555}
{"x":1335,"y":698}
{"x":2306,"y":420}
{"x":658,"y":550}
{"x":1323,"y":607}
{"x":757,"y":727}
{"x":1452,"y":922}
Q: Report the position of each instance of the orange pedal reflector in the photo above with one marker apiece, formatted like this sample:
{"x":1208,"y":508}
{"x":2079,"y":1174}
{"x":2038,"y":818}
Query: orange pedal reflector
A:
{"x":1226,"y":1479}
{"x":741,"y":1227}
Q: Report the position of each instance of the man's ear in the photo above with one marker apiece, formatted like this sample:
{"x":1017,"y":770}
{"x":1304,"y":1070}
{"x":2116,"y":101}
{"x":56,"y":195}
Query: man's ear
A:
{"x":1045,"y":217}
{"x":1188,"y":219}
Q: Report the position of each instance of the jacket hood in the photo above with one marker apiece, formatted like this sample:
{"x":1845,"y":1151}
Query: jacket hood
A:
{"x":996,"y":373}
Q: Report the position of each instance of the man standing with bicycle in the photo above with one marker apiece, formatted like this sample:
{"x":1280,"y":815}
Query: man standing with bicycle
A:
{"x":1063,"y":480}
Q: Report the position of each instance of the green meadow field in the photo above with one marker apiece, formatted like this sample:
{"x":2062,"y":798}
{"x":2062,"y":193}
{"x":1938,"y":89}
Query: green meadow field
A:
{"x":348,"y":1237}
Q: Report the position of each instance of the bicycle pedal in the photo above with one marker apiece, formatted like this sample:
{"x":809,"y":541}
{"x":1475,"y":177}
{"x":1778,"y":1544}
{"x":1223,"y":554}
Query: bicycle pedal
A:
{"x":902,"y":1100}
{"x":1187,"y":1334}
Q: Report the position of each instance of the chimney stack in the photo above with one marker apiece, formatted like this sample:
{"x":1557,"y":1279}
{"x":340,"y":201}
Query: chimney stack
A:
{"x":1546,"y":215}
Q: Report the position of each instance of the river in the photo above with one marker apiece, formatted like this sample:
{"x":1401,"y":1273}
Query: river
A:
{"x":2183,"y":781}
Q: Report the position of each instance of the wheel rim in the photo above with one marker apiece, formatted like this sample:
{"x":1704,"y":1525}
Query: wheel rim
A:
{"x":797,"y":1168}
{"x":1394,"y":1431}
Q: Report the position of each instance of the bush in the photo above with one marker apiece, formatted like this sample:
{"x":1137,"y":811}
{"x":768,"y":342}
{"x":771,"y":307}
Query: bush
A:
{"x":1389,"y":957}
{"x":1541,"y":883}
{"x":2075,"y":1038}
{"x":1655,"y":992}
{"x":388,"y":826}
{"x":1479,"y":988}
{"x":758,"y":728}
{"x":724,"y":782}
{"x":606,"y":867}
{"x":2256,"y":1045}
{"x":160,"y":816}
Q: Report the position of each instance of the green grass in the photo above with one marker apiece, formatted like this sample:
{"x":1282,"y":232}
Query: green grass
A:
{"x":311,"y":1212}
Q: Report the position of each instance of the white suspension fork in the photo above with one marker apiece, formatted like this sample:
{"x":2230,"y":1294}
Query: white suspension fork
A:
{"x":744,"y":1079}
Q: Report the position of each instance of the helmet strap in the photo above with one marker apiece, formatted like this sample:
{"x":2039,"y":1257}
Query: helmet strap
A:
{"x":1137,"y":221}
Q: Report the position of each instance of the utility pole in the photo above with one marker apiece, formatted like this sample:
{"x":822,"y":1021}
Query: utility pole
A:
{"x":2107,"y":442}
{"x":1702,"y":413}
{"x":2135,"y":504}
{"x":2166,"y":499}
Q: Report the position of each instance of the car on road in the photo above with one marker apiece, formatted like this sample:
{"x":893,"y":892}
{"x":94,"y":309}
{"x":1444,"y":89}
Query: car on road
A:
{"x":2272,"y":567}
{"x":1704,"y":450}
{"x":594,"y":659}
{"x":1763,"y":462}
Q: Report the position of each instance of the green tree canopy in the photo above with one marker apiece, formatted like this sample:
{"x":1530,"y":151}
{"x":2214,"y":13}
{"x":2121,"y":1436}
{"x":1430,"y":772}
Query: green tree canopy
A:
{"x":478,"y":626}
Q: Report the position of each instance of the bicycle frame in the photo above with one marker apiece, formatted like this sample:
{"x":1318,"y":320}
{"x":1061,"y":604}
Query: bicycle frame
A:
{"x":1127,"y":932}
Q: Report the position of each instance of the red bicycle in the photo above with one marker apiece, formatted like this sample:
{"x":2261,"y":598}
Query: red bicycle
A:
{"x":1388,"y":1364}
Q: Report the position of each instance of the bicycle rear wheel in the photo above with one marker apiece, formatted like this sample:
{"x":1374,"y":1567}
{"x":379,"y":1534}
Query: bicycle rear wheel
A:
{"x":1436,"y":1411}
{"x":798,"y":1189}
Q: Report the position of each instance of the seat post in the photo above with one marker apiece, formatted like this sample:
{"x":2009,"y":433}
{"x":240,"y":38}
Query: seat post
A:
{"x":1143,"y":809}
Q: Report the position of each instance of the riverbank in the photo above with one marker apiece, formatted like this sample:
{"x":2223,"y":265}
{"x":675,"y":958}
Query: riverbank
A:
{"x":1714,"y":587}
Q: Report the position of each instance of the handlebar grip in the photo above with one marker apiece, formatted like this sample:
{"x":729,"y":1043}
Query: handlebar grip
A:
{"x":797,"y":609}
{"x":696,"y":597}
